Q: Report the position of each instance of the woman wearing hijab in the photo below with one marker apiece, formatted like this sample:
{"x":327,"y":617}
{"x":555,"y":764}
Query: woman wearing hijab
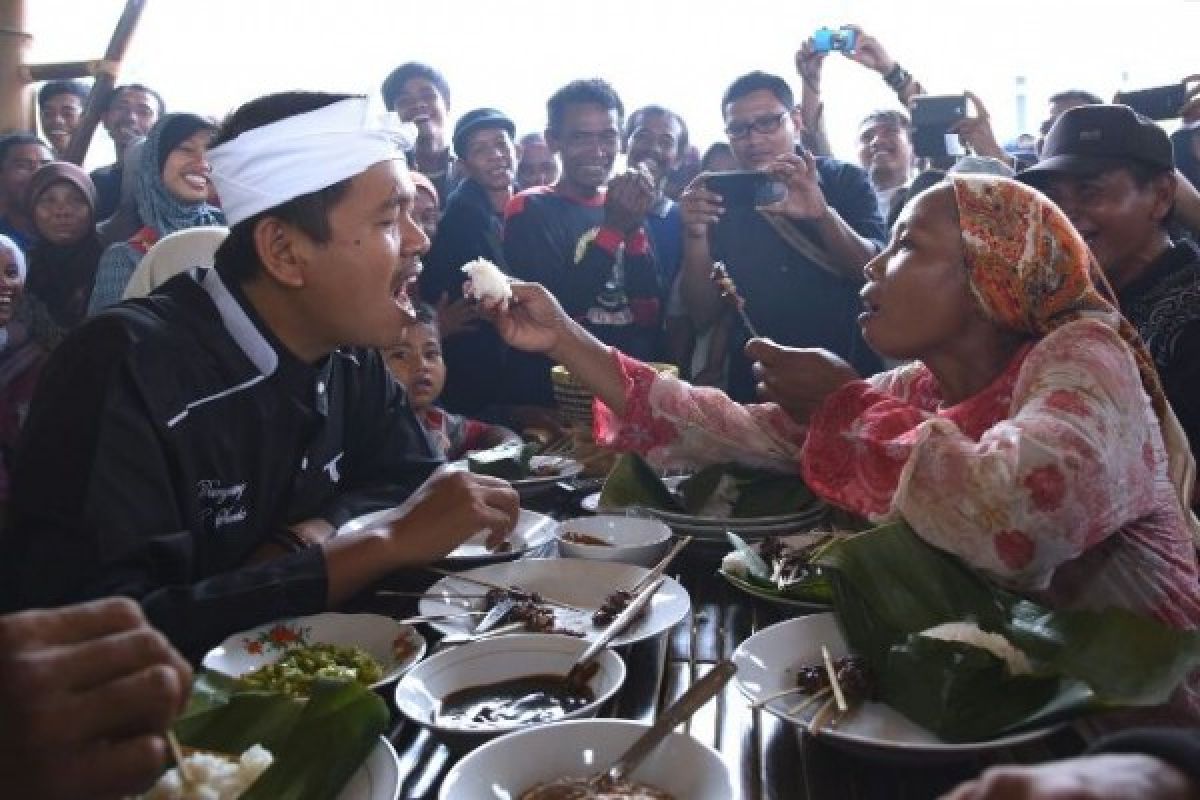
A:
{"x":1029,"y":437}
{"x":172,"y":194}
{"x":61,"y":201}
{"x":20,"y":358}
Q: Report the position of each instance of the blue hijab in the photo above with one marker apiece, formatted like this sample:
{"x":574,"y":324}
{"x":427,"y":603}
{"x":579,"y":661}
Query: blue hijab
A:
{"x":160,"y":210}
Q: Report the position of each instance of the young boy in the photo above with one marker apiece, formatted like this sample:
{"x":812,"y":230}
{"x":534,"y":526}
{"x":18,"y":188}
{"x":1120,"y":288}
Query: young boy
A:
{"x":416,"y":362}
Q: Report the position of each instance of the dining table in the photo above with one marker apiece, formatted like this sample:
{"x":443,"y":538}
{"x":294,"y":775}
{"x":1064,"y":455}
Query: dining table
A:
{"x":769,"y":758}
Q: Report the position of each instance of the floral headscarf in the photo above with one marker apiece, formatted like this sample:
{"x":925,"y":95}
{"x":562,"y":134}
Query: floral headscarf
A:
{"x":1032,"y":272}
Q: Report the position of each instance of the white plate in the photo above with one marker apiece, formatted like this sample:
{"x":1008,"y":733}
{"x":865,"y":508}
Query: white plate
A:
{"x":767,"y":663}
{"x":567,"y":468}
{"x":533,"y":531}
{"x":378,"y":778}
{"x":504,"y":768}
{"x":575,"y":581}
{"x":395,"y":646}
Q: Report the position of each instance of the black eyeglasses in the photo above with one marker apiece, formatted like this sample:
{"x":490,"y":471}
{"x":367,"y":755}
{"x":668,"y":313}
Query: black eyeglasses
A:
{"x":767,"y":123}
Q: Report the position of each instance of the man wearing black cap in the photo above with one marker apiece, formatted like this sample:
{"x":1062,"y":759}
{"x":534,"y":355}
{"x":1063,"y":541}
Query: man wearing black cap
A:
{"x":1112,"y":172}
{"x":471,"y":228}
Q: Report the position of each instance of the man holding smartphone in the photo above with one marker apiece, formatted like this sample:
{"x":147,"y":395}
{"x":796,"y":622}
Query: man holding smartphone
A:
{"x":797,"y":262}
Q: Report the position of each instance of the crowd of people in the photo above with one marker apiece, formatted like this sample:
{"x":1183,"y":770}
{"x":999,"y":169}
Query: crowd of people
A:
{"x":243,"y":333}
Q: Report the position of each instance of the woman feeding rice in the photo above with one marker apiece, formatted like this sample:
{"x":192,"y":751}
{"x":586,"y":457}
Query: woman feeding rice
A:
{"x":1029,"y":436}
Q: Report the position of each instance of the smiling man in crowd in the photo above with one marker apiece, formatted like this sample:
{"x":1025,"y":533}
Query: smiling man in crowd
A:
{"x":797,"y":263}
{"x":584,"y":238}
{"x":197,"y":449}
{"x":131,"y":113}
{"x":60,"y":106}
{"x":421,"y":95}
{"x":1112,"y":172}
{"x":21,"y":154}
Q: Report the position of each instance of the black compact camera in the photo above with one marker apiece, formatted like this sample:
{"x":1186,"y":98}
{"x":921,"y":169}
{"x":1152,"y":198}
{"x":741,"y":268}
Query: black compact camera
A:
{"x":746,"y":188}
{"x":1161,"y":102}
{"x":933,"y":116}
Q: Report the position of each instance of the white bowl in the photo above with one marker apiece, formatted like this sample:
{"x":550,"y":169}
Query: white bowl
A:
{"x":419,"y":694}
{"x":632,"y":540}
{"x":504,"y":768}
{"x":394,"y":645}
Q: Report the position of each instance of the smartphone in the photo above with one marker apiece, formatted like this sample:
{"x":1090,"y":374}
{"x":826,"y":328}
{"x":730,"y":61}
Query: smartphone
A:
{"x":746,"y":188}
{"x":1161,"y":102}
{"x":826,"y":40}
{"x":932,"y":117}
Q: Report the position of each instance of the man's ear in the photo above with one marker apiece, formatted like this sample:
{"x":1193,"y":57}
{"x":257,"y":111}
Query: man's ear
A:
{"x":797,"y":120}
{"x":552,"y":142}
{"x":1163,"y":187}
{"x":283,"y":250}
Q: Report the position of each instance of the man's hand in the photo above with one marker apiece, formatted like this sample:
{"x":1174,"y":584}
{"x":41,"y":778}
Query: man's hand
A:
{"x":798,"y":379}
{"x":451,"y":507}
{"x":976,"y":132}
{"x":869,"y":52}
{"x":804,"y":200}
{"x":809,"y":63}
{"x":1106,"y":777}
{"x":699,"y":207}
{"x":629,"y":199}
{"x":1190,"y":111}
{"x":455,"y":316}
{"x":86,"y":693}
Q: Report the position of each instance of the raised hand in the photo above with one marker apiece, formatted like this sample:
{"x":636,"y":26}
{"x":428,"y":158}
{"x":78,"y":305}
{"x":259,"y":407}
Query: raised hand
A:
{"x":870,"y":52}
{"x":628,"y":200}
{"x":532,"y":321}
{"x":699,"y":207}
{"x":804,"y":200}
{"x":976,"y":132}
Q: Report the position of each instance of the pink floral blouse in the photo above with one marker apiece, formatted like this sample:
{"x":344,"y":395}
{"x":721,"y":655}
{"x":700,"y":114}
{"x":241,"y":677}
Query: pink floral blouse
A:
{"x":1052,"y":480}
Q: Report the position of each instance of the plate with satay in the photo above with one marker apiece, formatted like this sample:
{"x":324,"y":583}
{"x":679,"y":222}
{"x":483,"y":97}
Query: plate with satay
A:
{"x":569,"y":596}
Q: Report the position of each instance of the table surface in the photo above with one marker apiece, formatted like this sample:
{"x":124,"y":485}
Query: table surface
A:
{"x":768,"y":758}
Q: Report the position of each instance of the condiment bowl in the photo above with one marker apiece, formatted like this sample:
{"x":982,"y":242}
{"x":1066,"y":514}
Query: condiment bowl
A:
{"x":631,"y":540}
{"x":504,"y":768}
{"x":419,"y":695}
{"x":394,"y":645}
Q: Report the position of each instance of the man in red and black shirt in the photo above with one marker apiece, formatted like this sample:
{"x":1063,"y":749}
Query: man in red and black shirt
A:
{"x":583,"y":238}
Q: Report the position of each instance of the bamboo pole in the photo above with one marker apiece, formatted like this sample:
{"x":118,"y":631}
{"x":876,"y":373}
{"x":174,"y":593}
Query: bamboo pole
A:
{"x":106,"y":79}
{"x":15,"y":92}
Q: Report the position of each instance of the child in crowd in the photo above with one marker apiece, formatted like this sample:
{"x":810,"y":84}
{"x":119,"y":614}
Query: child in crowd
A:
{"x":416,"y":362}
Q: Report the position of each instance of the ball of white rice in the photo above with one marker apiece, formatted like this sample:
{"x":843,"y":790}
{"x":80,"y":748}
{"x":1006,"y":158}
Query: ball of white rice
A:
{"x":970,"y":633}
{"x":215,"y":777}
{"x":487,"y":281}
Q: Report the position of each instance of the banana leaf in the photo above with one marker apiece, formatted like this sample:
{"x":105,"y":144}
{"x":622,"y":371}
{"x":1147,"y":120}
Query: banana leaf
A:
{"x":889,"y":585}
{"x":317,"y":744}
{"x":632,"y":483}
{"x":816,"y":589}
{"x":760,"y":493}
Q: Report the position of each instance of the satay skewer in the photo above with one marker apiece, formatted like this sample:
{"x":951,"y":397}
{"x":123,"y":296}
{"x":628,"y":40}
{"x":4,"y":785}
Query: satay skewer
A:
{"x":720,"y":276}
{"x":479,"y":582}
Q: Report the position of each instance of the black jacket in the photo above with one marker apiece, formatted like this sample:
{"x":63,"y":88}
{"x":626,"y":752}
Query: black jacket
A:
{"x":170,"y":436}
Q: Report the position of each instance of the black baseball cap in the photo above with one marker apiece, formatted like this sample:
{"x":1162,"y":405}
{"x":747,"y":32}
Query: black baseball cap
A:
{"x":479,"y":119}
{"x":1089,"y":139}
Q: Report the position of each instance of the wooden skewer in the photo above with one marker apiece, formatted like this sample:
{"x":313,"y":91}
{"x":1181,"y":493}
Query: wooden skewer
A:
{"x":185,"y":769}
{"x":720,"y":274}
{"x":762,"y":702}
{"x":423,"y":595}
{"x":822,"y":716}
{"x":833,"y":681}
{"x":478,"y":582}
{"x":808,"y":701}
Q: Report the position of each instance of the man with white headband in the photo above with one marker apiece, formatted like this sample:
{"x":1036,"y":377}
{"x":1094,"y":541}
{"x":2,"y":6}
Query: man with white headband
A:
{"x":197,"y":448}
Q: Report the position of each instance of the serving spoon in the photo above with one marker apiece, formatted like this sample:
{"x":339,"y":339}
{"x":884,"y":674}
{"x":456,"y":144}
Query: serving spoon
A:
{"x":689,"y":703}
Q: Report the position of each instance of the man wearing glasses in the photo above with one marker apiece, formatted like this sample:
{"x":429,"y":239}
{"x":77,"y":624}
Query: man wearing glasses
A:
{"x":797,"y":262}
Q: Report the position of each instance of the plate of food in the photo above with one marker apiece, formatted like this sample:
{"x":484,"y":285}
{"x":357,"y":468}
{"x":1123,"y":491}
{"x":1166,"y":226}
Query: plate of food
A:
{"x":556,"y":595}
{"x":523,"y":465}
{"x":533,"y":533}
{"x":781,"y":668}
{"x":289,"y":655}
{"x":779,"y":569}
{"x":267,"y":745}
{"x":721,"y":497}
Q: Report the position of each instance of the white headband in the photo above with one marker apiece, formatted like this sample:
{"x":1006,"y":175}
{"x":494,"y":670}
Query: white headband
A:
{"x":268,"y":166}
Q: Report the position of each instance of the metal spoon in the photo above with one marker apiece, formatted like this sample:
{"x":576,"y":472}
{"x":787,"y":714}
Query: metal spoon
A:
{"x":689,"y":703}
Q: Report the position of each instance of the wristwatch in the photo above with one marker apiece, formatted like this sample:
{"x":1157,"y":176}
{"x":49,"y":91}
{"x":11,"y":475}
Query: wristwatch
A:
{"x":897,"y":77}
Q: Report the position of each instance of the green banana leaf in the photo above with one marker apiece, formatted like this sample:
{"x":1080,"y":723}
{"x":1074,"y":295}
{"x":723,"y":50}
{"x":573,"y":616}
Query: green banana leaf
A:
{"x":888,"y":585}
{"x":317,"y":744}
{"x":758,"y":575}
{"x":632,"y":483}
{"x":760,"y":493}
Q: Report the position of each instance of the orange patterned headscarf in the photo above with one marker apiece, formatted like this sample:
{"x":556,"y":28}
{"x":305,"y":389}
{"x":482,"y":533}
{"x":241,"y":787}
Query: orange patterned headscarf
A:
{"x":1032,"y":272}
